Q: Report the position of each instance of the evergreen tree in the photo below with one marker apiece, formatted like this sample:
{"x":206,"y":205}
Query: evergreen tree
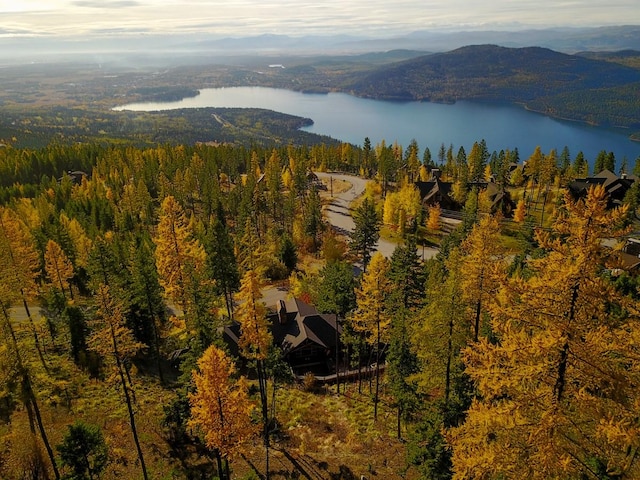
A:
{"x":366,"y":232}
{"x":580,"y":165}
{"x":84,"y":451}
{"x":221,"y":259}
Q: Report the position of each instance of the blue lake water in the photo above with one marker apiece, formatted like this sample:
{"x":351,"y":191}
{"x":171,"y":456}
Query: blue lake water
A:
{"x":351,"y":119}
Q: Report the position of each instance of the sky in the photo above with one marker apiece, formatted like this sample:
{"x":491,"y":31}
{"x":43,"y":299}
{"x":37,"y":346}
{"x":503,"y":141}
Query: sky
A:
{"x":239,"y":18}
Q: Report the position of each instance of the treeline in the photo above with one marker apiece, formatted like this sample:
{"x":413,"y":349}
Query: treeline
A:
{"x":40,"y":126}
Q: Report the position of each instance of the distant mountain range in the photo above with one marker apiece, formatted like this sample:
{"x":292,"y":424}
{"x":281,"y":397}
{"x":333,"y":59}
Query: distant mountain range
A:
{"x":156,"y":49}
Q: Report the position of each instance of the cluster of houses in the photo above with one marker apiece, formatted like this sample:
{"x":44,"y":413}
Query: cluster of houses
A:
{"x":309,"y":340}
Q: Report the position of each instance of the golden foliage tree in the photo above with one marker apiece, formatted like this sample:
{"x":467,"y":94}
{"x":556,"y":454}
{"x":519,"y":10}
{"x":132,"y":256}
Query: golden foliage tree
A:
{"x":58,"y":267}
{"x":18,"y":269}
{"x":520,"y":212}
{"x":372,"y":318}
{"x":179,"y":256}
{"x":482,"y":266}
{"x":251,"y":314}
{"x":220,"y":406}
{"x":19,"y":259}
{"x":433,"y":222}
{"x":255,"y":338}
{"x":113,"y":340}
{"x":557,"y":392}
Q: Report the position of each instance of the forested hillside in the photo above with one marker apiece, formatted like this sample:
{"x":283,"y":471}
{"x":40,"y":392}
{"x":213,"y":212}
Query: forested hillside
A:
{"x":513,"y":353}
{"x":553,"y":83}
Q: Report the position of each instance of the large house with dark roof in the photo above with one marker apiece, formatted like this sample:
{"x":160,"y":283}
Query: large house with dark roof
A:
{"x":616,"y":187}
{"x":437,"y":192}
{"x":307,"y":338}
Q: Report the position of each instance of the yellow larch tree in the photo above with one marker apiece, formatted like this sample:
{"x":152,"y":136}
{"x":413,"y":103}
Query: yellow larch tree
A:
{"x":255,"y":338}
{"x":424,"y":174}
{"x":520,"y":212}
{"x":180,"y":258}
{"x":19,"y":259}
{"x":18,"y":269}
{"x":433,"y":221}
{"x":181,"y":264}
{"x":557,"y":391}
{"x":115,"y":342}
{"x":390,"y":209}
{"x":371,"y":317}
{"x":482,"y":266}
{"x":58,"y":268}
{"x":220,"y":407}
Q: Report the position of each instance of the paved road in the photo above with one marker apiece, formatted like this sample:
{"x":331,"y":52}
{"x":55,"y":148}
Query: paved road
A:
{"x":338,"y":213}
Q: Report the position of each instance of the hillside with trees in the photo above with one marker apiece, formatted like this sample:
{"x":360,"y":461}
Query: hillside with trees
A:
{"x":568,"y":86}
{"x":513,"y":351}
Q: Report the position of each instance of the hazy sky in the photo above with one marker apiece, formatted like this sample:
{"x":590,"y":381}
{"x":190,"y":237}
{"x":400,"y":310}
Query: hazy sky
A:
{"x":300,"y":17}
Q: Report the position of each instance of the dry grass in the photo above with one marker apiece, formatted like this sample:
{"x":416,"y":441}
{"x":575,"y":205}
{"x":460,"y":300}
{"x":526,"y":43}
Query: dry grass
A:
{"x":324,"y":435}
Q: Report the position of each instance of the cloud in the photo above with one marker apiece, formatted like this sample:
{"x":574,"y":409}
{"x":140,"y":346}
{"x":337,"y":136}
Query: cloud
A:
{"x":306,"y":17}
{"x":102,"y":4}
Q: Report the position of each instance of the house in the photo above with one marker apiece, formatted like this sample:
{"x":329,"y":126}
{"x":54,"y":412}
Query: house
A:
{"x":629,"y":258}
{"x":436,"y":191}
{"x":499,"y":198}
{"x":76,"y":176}
{"x":616,"y":187}
{"x":307,"y":338}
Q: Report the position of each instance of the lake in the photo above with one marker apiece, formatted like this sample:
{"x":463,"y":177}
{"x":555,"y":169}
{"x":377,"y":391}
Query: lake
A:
{"x":351,"y":119}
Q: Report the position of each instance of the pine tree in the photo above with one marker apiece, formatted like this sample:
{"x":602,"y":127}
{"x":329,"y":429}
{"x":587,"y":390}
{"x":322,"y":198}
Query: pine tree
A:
{"x":221,"y":259}
{"x":336,"y":294}
{"x":366,"y":232}
{"x":84,"y":450}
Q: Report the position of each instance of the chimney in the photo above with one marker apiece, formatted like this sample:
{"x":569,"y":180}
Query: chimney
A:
{"x":435,"y":173}
{"x":282,"y":312}
{"x":623,"y":175}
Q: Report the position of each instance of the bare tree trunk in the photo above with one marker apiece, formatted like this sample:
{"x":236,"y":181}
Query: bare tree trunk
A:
{"x":132,"y":419}
{"x":30,"y":401}
{"x":262,"y":382}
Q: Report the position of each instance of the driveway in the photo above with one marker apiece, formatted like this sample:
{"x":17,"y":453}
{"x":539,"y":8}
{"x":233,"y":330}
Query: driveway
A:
{"x":338,"y":213}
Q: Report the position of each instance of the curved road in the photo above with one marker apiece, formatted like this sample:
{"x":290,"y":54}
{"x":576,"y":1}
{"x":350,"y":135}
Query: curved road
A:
{"x":338,"y":212}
